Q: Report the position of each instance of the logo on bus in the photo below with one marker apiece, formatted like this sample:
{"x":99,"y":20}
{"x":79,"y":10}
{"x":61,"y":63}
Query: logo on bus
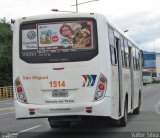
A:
{"x":31,"y":35}
{"x":89,"y":80}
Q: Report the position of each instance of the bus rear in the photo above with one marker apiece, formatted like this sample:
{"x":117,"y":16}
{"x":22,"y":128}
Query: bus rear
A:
{"x":56,"y":68}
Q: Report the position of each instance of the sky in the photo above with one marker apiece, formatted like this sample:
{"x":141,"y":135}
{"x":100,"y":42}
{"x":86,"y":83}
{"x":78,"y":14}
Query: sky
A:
{"x":140,"y":17}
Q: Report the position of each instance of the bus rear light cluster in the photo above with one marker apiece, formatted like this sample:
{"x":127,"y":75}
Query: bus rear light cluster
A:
{"x":89,"y":109}
{"x":20,"y":91}
{"x":101,"y":88}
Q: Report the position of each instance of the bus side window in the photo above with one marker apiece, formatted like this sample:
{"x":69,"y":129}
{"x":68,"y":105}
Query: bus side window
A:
{"x":134,"y":63}
{"x":123,"y":58}
{"x":129,"y":54}
{"x":126,"y":60}
{"x":113,"y":52}
{"x":113,"y":55}
{"x":134,"y":59}
{"x":122,"y":51}
{"x":138,"y":57}
{"x":111,"y":37}
{"x":126,"y":53}
{"x":138,"y":67}
{"x":139,"y":60}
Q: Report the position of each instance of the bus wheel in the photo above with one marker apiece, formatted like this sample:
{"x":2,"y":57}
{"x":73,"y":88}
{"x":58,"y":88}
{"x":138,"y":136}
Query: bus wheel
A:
{"x":124,"y":119}
{"x":137,"y":110}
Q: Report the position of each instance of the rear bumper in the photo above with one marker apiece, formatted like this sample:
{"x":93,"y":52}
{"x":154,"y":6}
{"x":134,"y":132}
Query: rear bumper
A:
{"x":99,"y":108}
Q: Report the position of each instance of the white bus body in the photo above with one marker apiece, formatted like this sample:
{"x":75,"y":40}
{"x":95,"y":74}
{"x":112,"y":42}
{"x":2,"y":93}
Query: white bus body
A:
{"x":51,"y":80}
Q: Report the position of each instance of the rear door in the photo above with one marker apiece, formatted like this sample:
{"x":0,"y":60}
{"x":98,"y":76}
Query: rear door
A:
{"x":116,"y":67}
{"x":132,"y":76}
{"x":119,"y":61}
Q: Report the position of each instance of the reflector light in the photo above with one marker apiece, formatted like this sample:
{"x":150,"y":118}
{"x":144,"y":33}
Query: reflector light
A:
{"x":21,"y":96}
{"x":17,"y":82}
{"x":99,"y":94}
{"x":88,"y":108}
{"x":31,"y":110}
{"x":101,"y":87}
{"x":102,"y":79}
{"x":19,"y":89}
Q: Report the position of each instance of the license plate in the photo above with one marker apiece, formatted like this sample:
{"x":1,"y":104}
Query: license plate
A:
{"x":60,"y":93}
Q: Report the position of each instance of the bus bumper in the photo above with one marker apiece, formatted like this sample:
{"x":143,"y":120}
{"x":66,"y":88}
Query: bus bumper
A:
{"x":101,"y":108}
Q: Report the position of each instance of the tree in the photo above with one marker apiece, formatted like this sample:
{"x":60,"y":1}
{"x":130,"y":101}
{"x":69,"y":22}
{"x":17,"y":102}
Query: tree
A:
{"x":5,"y":53}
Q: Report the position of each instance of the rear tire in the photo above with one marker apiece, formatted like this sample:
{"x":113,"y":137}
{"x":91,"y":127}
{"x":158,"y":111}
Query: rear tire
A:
{"x":137,"y":110}
{"x":124,"y":119}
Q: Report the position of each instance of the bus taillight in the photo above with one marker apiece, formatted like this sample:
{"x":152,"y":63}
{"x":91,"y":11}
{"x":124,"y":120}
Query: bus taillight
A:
{"x":101,"y":88}
{"x":20,"y":91}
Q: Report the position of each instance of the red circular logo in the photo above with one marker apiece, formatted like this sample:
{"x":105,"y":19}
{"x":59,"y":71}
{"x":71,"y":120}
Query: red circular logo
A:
{"x":55,"y":38}
{"x":66,"y":31}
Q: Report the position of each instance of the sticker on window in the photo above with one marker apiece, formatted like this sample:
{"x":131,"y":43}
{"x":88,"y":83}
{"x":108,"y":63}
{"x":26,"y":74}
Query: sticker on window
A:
{"x":29,"y":39}
{"x":65,"y":35}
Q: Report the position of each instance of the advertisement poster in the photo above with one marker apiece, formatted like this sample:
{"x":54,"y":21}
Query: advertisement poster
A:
{"x":29,"y":39}
{"x":65,"y":35}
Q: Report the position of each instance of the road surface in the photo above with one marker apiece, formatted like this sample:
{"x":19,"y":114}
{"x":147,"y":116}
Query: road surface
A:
{"x":147,"y":121}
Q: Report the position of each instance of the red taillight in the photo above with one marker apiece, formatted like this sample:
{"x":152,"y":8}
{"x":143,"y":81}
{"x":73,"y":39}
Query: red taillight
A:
{"x":101,"y":87}
{"x":19,"y":89}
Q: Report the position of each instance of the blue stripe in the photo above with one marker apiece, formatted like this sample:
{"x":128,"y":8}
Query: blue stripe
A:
{"x":94,"y":79}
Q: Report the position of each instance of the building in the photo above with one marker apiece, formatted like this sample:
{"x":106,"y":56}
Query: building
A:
{"x":149,"y":61}
{"x":158,"y":65}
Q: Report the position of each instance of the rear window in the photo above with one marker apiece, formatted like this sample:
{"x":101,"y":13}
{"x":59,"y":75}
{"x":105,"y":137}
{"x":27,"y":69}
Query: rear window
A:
{"x":60,"y":40}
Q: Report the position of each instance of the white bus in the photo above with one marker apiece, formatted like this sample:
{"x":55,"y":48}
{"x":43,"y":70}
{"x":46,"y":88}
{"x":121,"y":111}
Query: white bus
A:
{"x":70,"y":66}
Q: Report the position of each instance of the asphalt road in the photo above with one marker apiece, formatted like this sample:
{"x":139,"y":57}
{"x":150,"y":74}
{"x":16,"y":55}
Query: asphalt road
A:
{"x":147,"y":121}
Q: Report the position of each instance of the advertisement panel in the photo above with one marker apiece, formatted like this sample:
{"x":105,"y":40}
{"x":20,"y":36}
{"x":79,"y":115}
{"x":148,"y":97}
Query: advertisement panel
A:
{"x":65,"y":35}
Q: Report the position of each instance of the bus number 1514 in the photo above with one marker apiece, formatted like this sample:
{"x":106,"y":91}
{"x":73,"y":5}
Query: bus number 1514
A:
{"x":57,"y":83}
